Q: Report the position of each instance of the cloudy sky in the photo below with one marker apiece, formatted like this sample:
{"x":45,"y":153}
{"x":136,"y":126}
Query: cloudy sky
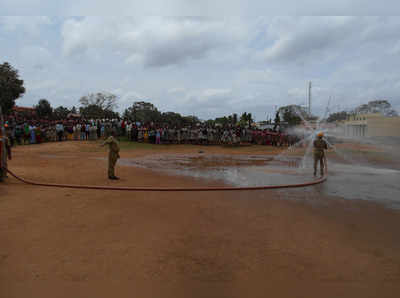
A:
{"x":206,"y":66}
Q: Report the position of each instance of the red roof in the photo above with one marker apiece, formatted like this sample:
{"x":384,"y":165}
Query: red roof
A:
{"x":23,"y":109}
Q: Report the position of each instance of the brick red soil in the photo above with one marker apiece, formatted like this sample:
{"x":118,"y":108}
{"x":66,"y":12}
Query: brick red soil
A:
{"x":75,"y":243}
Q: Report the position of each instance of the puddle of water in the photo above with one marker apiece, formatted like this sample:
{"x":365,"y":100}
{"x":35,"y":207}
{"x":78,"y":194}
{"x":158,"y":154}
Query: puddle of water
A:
{"x":346,"y":181}
{"x":238,"y":170}
{"x":366,"y":183}
{"x":244,"y":176}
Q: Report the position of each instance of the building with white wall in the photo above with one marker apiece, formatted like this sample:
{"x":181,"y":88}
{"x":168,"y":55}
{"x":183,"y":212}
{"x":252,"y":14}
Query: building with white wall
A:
{"x":371,"y":125}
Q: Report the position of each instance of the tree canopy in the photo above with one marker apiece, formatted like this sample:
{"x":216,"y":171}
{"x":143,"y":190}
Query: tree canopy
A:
{"x":376,"y":106}
{"x":277,"y":120}
{"x":11,"y":87}
{"x":98,"y":105}
{"x":246,"y":119}
{"x":292,"y":114}
{"x":142,"y":111}
{"x":104,"y":100}
{"x":60,"y":113}
{"x":44,"y":109}
{"x":337,"y":116}
{"x":74,"y":110}
{"x":146,"y":112}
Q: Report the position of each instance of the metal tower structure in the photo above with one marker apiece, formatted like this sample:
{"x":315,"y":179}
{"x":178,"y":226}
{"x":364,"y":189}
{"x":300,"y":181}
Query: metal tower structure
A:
{"x":309,"y":98}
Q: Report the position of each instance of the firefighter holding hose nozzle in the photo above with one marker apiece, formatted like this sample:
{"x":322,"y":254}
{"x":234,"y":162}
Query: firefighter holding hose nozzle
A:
{"x":320,"y":146}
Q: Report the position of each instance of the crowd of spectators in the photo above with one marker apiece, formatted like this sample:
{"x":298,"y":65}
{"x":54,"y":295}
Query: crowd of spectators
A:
{"x":35,"y":131}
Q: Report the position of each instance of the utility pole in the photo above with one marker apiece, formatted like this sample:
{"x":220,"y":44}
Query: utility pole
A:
{"x":309,"y":99}
{"x":327,"y":110}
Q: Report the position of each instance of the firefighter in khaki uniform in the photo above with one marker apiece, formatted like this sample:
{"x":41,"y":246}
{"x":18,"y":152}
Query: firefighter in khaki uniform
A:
{"x":320,"y":146}
{"x":113,"y":155}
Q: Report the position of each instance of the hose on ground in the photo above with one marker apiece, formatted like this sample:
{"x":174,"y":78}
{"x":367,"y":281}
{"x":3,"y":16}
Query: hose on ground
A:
{"x":122,"y":188}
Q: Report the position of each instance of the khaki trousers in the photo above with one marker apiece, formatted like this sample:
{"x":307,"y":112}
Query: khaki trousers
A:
{"x":112,"y":160}
{"x":319,"y":158}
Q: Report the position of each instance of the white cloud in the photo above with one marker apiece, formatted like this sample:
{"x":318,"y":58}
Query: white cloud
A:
{"x":154,"y":41}
{"x":176,"y":90}
{"x":127,"y":98}
{"x":29,"y":25}
{"x":207,"y":66}
{"x":195,"y":7}
{"x":306,"y":38}
{"x":216,"y":92}
{"x":35,"y":57}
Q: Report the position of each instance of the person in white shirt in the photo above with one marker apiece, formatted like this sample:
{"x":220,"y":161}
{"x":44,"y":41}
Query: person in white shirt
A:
{"x":129,"y":131}
{"x":60,"y":131}
{"x":78,"y":131}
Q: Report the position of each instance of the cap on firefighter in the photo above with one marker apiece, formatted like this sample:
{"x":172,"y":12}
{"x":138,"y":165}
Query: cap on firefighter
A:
{"x":320,"y":134}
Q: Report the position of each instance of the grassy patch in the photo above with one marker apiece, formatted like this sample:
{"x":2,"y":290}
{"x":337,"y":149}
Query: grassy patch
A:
{"x":127,"y":145}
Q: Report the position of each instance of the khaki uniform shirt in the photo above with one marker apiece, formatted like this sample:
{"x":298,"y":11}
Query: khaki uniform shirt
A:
{"x":113,"y":145}
{"x":319,"y":146}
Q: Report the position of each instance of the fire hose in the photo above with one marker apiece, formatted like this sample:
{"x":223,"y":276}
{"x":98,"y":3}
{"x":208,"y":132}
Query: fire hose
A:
{"x":122,"y":188}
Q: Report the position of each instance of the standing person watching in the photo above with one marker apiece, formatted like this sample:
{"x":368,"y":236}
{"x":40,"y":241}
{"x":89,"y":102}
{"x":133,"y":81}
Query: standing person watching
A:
{"x":18,"y":133}
{"x":6,"y":150}
{"x":60,"y":131}
{"x":113,"y":155}
{"x":129,"y":131}
{"x":26,"y":133}
{"x":98,"y":129}
{"x":83,"y":131}
{"x":87,"y":131}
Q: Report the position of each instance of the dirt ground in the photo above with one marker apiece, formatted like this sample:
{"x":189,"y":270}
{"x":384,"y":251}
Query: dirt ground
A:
{"x":86,"y":243}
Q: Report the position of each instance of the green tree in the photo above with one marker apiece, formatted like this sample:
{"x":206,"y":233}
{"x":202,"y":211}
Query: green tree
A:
{"x":249,"y":119}
{"x":190,"y":120}
{"x":111,"y":114}
{"x":44,"y":109}
{"x":337,"y":116}
{"x":210,"y":122}
{"x":234,"y":119}
{"x":243,"y":119}
{"x":246,"y":119}
{"x":294,"y":114}
{"x":171,"y":118}
{"x":377,"y":106}
{"x":104,"y":100}
{"x":222,"y":120}
{"x":98,"y":105}
{"x":142,"y":111}
{"x":60,"y":113}
{"x":92,"y":112}
{"x":126,"y":115}
{"x":291,"y":118}
{"x":277,"y":120}
{"x":11,"y":87}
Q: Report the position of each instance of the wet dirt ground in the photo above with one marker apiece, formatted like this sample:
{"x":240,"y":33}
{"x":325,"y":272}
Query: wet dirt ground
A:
{"x":348,"y":181}
{"x":308,"y":242}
